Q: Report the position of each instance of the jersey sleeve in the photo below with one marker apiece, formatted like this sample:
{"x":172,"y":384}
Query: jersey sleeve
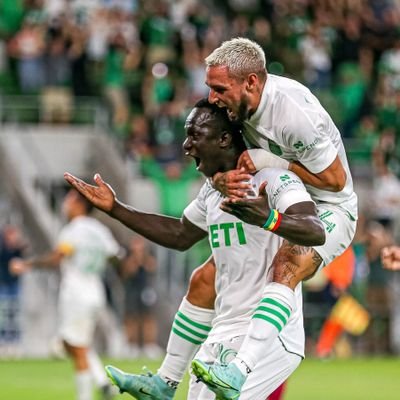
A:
{"x":284,"y":188}
{"x":65,"y":242}
{"x":196,"y":211}
{"x":307,"y":135}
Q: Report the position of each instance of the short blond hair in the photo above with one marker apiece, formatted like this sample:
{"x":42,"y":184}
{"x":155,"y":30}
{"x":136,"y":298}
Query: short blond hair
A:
{"x":242,"y":57}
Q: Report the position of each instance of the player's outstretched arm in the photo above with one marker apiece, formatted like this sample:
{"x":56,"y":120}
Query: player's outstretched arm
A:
{"x":390,"y":257}
{"x":174,"y":233}
{"x":332,"y":178}
{"x":299,"y":224}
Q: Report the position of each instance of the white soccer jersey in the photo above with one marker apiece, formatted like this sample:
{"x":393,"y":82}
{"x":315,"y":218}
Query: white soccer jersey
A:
{"x":291,"y":123}
{"x":89,"y":245}
{"x":243,"y":254}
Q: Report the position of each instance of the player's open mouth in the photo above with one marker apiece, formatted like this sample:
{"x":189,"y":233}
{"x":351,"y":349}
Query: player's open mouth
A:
{"x":197,"y":160}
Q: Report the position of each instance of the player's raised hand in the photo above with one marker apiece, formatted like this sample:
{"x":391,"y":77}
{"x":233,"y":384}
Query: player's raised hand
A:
{"x":101,"y":196}
{"x":390,"y":257}
{"x":233,"y":183}
{"x":254,"y":211}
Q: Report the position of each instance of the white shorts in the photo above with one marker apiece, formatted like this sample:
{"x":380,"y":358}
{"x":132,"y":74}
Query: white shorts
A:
{"x":340,"y":229}
{"x":78,"y":320}
{"x":269,"y":373}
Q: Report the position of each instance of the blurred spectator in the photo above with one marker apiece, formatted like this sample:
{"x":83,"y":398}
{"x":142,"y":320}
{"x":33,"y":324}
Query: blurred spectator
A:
{"x":315,"y":50}
{"x":138,"y":273}
{"x":114,"y":87}
{"x":157,"y":33}
{"x":56,"y":95}
{"x":367,"y":134}
{"x":377,"y":336}
{"x":28,"y":47}
{"x":350,"y":91}
{"x":12,"y":244}
{"x":173,"y":182}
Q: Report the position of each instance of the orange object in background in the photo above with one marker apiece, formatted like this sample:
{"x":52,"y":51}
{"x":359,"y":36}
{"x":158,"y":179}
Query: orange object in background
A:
{"x":341,"y":270}
{"x":347,"y":314}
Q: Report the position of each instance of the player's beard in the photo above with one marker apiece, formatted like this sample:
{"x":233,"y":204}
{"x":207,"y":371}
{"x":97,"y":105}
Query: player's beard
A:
{"x":243,"y":112}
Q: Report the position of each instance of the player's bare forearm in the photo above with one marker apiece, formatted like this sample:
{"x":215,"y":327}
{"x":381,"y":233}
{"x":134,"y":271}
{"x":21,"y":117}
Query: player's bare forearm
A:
{"x":332,"y":178}
{"x":302,"y":229}
{"x":18,"y":266}
{"x":174,"y":233}
{"x":299,"y":224}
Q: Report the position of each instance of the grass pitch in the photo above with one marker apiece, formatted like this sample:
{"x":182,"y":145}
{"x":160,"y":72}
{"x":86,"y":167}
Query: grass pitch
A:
{"x":355,"y":379}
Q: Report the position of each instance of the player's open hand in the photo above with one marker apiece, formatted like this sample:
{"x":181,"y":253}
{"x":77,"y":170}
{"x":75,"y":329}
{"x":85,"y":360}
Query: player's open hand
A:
{"x":234,"y":183}
{"x":101,"y":196}
{"x":254,"y":211}
{"x":246,"y":162}
{"x":390,"y":257}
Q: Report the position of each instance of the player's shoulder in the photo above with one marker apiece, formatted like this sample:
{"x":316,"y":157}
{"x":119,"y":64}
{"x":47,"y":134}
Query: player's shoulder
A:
{"x":294,"y":96}
{"x":206,"y":189}
{"x":277,"y":178}
{"x":273,"y":174}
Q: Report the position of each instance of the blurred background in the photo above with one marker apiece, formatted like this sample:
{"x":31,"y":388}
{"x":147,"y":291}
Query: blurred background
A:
{"x":105,"y":86}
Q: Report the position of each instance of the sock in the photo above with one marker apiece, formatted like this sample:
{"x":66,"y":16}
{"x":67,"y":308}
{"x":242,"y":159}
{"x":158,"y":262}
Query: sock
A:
{"x":84,"y":387}
{"x":269,"y":318}
{"x":97,"y":369}
{"x":189,"y":331}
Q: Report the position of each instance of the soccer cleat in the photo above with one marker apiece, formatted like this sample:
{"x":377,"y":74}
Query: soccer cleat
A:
{"x":141,"y":387}
{"x":225,"y":380}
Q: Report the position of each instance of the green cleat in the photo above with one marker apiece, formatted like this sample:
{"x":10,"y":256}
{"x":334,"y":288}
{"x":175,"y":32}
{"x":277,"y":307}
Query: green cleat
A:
{"x":225,"y":380}
{"x":141,"y":387}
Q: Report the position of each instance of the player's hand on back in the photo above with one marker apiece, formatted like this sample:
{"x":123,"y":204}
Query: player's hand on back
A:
{"x":254,"y":211}
{"x":101,"y":196}
{"x":233,"y":184}
{"x":245,"y":162}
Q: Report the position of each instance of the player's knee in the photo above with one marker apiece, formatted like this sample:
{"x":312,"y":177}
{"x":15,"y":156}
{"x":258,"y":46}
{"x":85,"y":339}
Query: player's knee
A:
{"x":201,"y":291}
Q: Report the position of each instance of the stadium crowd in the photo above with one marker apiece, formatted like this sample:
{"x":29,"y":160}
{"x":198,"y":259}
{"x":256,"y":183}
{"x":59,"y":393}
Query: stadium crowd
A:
{"x":145,"y":61}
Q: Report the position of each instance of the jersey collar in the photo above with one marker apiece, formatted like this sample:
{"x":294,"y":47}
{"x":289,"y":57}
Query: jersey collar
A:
{"x":266,"y":97}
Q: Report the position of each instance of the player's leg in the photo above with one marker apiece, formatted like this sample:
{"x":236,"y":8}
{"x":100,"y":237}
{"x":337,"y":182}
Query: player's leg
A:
{"x":83,"y":377}
{"x":77,"y":325}
{"x":291,"y":265}
{"x":269,"y":374}
{"x":192,"y":322}
{"x":189,"y":330}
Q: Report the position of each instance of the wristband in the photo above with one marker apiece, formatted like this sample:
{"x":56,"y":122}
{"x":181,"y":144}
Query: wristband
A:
{"x":273,"y":221}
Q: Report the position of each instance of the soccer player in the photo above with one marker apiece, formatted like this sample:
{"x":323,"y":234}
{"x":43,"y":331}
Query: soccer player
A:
{"x":286,"y":127}
{"x":244,"y":258}
{"x":84,"y":247}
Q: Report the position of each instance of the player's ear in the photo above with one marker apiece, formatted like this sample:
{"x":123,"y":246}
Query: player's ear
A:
{"x":225,"y":139}
{"x":251,"y":82}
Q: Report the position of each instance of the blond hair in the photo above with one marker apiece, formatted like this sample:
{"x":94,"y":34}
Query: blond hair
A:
{"x":242,"y":57}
